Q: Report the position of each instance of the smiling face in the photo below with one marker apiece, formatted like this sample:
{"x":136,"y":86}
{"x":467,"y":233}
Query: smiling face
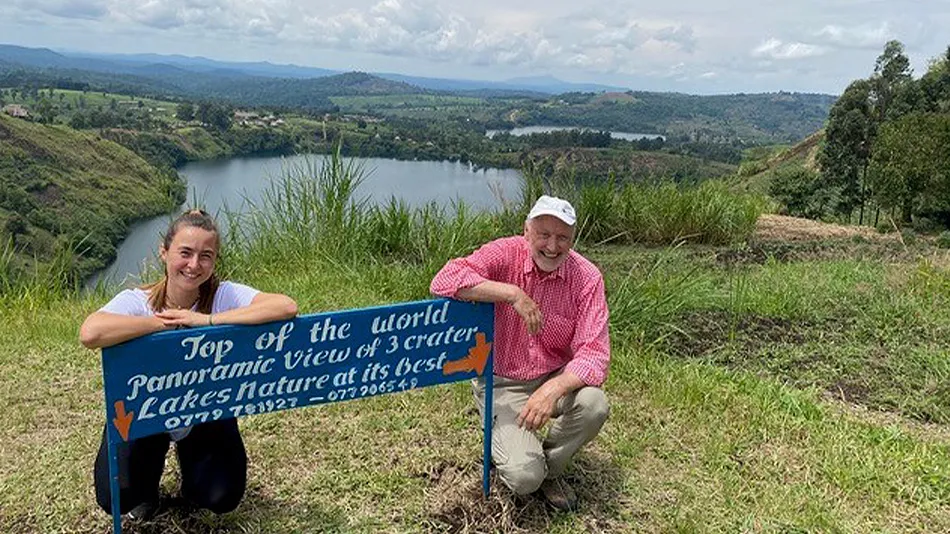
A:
{"x":189,"y":259}
{"x":550,"y":240}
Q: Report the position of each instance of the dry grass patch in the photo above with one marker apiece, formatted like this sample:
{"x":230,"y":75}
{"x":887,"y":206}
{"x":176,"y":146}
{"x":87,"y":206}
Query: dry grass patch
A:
{"x":783,"y":228}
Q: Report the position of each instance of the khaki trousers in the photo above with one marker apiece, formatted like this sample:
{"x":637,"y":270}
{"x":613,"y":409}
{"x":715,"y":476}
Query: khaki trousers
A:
{"x":523,"y":460}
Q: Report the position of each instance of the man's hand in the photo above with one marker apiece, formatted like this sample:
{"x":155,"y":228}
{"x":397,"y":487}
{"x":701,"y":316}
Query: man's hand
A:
{"x":175,"y":318}
{"x":529,"y":312}
{"x":540,"y":406}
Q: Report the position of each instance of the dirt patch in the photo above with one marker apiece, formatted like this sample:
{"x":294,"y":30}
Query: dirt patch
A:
{"x":849,"y":361}
{"x":709,"y":331}
{"x":783,"y":228}
{"x":807,"y":149}
{"x":51,"y":195}
{"x":884,"y":248}
{"x":457,"y":504}
{"x":850,"y":391}
{"x":749,"y":342}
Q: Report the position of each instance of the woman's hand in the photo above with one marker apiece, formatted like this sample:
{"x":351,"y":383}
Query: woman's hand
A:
{"x":176,"y":318}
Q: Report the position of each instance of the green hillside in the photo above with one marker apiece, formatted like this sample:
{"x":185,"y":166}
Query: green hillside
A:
{"x":63,"y":190}
{"x":760,"y":164}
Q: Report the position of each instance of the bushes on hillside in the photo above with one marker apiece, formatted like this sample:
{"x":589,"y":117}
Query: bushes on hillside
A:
{"x":803,"y":192}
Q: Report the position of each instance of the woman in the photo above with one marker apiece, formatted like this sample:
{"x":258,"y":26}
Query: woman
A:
{"x":211,"y":455}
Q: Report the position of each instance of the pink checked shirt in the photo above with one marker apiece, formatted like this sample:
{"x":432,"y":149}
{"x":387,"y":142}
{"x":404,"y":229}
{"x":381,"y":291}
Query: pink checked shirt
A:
{"x":574,"y":332}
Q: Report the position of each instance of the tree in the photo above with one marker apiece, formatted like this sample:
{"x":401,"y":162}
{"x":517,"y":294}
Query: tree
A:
{"x":217,"y":116}
{"x":845,"y":154}
{"x":892,"y":74}
{"x":45,"y":110}
{"x":185,"y":111}
{"x":78,"y":121}
{"x":16,"y":225}
{"x":910,"y":169}
{"x":802,"y":191}
{"x":935,"y":85}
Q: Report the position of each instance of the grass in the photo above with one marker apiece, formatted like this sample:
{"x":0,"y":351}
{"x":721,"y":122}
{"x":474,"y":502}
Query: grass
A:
{"x":719,"y":422}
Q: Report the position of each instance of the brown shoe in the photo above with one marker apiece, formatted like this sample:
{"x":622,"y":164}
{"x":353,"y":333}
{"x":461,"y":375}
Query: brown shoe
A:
{"x":559,"y":494}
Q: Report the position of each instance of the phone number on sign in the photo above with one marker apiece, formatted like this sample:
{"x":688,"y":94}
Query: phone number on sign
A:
{"x":251,"y":408}
{"x":368,"y":390}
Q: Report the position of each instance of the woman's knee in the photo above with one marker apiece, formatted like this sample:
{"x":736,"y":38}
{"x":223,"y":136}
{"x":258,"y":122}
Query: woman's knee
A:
{"x":220,"y":499}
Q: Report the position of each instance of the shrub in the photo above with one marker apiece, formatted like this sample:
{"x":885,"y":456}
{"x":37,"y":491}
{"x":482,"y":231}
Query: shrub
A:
{"x":924,"y":225}
{"x":908,"y":236}
{"x":943,"y":240}
{"x":803,"y":192}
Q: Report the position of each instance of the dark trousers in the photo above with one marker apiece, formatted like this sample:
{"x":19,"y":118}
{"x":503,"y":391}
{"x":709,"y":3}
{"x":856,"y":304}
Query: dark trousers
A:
{"x":213,"y":468}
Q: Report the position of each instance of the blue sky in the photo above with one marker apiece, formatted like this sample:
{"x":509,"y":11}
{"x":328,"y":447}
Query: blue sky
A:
{"x":696,"y":46}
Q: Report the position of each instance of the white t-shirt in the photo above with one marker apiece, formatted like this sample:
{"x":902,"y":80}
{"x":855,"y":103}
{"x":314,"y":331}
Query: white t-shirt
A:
{"x":230,"y":295}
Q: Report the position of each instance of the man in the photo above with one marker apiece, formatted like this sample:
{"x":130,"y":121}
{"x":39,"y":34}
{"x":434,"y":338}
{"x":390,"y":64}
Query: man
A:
{"x":551,"y":346}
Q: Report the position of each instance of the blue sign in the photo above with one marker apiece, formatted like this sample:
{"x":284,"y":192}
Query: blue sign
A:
{"x":172,"y":380}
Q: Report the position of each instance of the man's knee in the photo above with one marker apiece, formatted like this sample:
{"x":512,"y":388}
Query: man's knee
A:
{"x":525,"y":477}
{"x":593,"y":406}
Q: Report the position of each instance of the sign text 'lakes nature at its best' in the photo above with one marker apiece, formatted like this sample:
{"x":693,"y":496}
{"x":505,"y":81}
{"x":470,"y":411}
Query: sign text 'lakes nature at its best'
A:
{"x":175,"y":379}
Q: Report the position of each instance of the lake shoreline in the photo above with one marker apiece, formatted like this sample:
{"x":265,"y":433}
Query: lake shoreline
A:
{"x":228,"y":184}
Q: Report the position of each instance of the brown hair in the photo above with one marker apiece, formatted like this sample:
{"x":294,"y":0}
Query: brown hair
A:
{"x":158,"y":291}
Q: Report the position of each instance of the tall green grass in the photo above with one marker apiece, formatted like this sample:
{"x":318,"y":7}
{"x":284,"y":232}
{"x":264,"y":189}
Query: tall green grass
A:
{"x":655,"y":213}
{"x":315,"y":213}
{"x":39,"y":283}
{"x":314,"y":218}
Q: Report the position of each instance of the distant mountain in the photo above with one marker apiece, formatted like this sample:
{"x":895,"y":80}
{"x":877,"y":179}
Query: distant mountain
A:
{"x":44,"y":58}
{"x":205,"y":65}
{"x":312,"y":93}
{"x":765,"y":117}
{"x":547,"y":85}
{"x":540,"y":84}
{"x":552,"y":85}
{"x":191,"y":78}
{"x":146,"y":65}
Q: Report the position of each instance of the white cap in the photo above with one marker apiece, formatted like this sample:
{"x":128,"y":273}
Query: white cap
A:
{"x":555,"y":207}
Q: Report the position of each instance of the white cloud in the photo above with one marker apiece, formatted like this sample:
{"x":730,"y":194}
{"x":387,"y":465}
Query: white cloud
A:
{"x":423,"y":29}
{"x":681,"y":35}
{"x":611,"y":40}
{"x":776,"y":49}
{"x":857,"y":36}
{"x":230,"y":17}
{"x":69,"y":9}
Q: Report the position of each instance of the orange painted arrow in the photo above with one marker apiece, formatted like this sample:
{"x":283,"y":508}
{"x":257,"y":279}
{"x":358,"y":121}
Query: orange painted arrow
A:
{"x":475,"y":361}
{"x":122,"y":421}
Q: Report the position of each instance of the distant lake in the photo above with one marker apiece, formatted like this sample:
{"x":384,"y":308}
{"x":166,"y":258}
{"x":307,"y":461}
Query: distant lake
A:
{"x":232,"y":183}
{"x":528,"y":130}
